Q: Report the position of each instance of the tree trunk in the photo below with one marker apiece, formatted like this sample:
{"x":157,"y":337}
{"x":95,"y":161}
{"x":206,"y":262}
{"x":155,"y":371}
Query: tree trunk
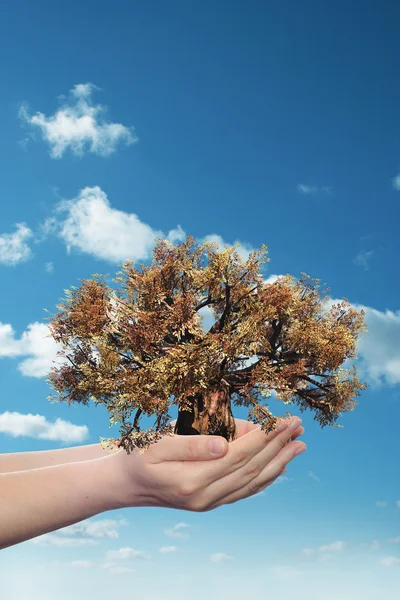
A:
{"x":208,"y":416}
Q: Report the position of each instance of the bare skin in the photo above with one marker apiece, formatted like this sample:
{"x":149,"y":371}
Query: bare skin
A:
{"x":176,"y":472}
{"x":253,"y":461}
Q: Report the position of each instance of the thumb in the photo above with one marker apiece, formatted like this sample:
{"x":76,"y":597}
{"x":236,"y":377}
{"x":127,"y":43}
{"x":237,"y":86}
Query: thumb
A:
{"x":200,"y":447}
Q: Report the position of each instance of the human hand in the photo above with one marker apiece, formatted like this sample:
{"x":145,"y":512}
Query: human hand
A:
{"x":180,"y":472}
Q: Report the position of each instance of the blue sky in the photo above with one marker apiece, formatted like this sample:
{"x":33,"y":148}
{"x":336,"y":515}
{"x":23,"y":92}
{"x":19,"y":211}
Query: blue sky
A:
{"x":257,"y":122}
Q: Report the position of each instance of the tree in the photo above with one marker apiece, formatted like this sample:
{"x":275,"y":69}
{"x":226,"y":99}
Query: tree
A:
{"x":141,"y":347}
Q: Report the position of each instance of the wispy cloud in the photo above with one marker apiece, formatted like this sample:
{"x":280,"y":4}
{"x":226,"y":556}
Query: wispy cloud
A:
{"x":313,"y":476}
{"x":361,"y":260}
{"x":49,"y":267}
{"x":13,"y":246}
{"x":390,"y":561}
{"x":175,"y":531}
{"x":313,"y":190}
{"x":325,"y":552}
{"x":374,"y":545}
{"x":99,"y":528}
{"x":85,"y":533}
{"x":79,"y":125}
{"x":37,"y":426}
{"x":219,"y":557}
{"x":286,"y":571}
{"x":381,"y":503}
{"x":126,"y":553}
{"x":396,"y":182}
{"x":53,"y":539}
{"x":167,"y":549}
{"x":83,"y":564}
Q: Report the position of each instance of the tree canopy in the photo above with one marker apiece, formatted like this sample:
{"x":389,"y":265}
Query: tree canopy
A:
{"x":140,"y":346}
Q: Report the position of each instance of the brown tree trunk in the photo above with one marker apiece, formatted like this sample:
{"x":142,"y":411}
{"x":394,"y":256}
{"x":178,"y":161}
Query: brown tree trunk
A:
{"x":207,"y":416}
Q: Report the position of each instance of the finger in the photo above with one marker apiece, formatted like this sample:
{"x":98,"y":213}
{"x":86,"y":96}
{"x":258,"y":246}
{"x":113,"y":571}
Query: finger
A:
{"x":296,"y":434}
{"x":198,"y":448}
{"x":265,"y":478}
{"x":188,"y":448}
{"x":243,"y":426}
{"x":258,"y":441}
{"x":242,"y":452}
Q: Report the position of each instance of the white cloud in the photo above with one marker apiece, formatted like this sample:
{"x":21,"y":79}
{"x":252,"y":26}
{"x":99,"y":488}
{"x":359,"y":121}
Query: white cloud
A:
{"x":174,"y":532}
{"x":395,"y":540}
{"x":13,"y":246}
{"x":313,"y":190}
{"x":361,"y":260}
{"x":313,"y":476}
{"x":117,"y":569}
{"x":324,"y":553}
{"x":285,"y":571}
{"x":80,"y":126}
{"x":374,"y":545}
{"x":272,"y":278}
{"x":85,"y":533}
{"x":307,"y":551}
{"x":9,"y":346}
{"x":243,"y":250}
{"x":36,"y":343}
{"x":101,"y":528}
{"x":281,"y":479}
{"x":396,"y":182}
{"x":49,"y":267}
{"x":126,"y":553}
{"x":85,"y":564}
{"x":390,"y":561}
{"x":38,"y":427}
{"x":53,"y":539}
{"x":167,"y":549}
{"x":379,"y":347}
{"x":337,"y":546}
{"x":381,"y":503}
{"x":219,"y":557}
{"x":93,"y":226}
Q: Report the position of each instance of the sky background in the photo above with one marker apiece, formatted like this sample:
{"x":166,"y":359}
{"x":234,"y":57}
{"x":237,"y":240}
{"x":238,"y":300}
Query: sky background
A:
{"x":257,"y":122}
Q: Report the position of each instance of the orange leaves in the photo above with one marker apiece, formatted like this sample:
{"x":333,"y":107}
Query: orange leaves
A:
{"x":141,"y":344}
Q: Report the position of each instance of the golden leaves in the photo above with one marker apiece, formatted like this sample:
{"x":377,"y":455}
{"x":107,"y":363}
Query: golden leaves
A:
{"x":141,"y":344}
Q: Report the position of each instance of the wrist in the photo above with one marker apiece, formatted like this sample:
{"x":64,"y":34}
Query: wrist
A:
{"x":106,"y":475}
{"x":122,"y":474}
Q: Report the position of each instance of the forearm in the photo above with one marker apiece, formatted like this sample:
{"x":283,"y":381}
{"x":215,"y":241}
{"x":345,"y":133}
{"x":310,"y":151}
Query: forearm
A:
{"x":41,"y":500}
{"x":21,"y":461}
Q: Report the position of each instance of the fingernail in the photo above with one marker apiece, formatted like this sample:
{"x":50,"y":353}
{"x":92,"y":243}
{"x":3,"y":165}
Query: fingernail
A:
{"x":216,"y":446}
{"x":299,"y":450}
{"x":294,"y":424}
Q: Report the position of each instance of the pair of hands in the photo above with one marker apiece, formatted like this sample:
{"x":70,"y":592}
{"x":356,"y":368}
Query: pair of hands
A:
{"x":181,"y":472}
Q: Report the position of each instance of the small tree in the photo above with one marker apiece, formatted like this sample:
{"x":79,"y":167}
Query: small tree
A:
{"x":141,"y":347}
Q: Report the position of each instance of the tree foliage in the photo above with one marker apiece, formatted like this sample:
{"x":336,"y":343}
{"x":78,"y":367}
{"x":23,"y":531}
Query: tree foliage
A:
{"x":140,"y":346}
